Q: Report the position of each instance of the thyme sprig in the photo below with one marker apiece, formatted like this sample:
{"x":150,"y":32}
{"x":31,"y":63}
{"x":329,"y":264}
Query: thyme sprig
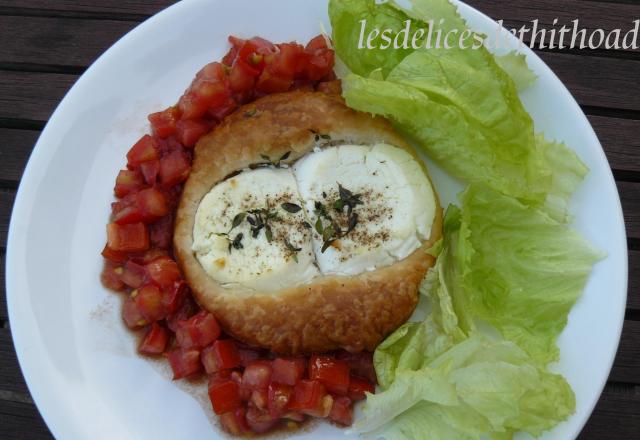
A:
{"x":332,"y":231}
{"x":269,"y":162}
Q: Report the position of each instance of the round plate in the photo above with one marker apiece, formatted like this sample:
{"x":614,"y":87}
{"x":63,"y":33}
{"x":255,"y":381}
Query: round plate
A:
{"x":78,"y":359}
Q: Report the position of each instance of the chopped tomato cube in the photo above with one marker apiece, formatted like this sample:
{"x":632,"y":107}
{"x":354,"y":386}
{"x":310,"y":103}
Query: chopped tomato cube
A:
{"x":174,"y":168}
{"x":260,"y":421}
{"x":163,"y":123}
{"x":342,"y":411}
{"x":191,"y":106}
{"x":358,"y":387}
{"x":128,"y":181}
{"x":224,"y":395}
{"x":148,"y":298}
{"x":161,"y":233}
{"x":114,"y":256}
{"x":127,"y":238}
{"x":310,"y":397}
{"x":221,"y":355}
{"x":270,"y":82}
{"x":189,"y":131}
{"x":143,"y":150}
{"x":279,"y":397}
{"x":128,"y":214}
{"x":333,"y":373}
{"x":257,"y":375}
{"x":133,"y":274}
{"x":163,"y":271}
{"x":152,"y":204}
{"x":155,"y":341}
{"x":212,"y":71}
{"x":242,"y":76}
{"x":198,"y":331}
{"x":110,"y":276}
{"x":259,"y":399}
{"x":288,"y":371}
{"x":132,"y":315}
{"x":235,"y":422}
{"x":211,"y":93}
{"x":184,"y":362}
{"x":150,"y":170}
{"x":173,"y":296}
{"x":316,"y":43}
{"x":287,"y":60}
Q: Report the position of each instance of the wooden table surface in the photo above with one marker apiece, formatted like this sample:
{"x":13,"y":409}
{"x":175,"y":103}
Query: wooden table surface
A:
{"x":46,"y":44}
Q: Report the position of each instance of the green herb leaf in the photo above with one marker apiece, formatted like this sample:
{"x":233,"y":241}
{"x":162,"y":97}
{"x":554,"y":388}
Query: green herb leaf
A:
{"x":265,"y":157}
{"x":239,"y":218}
{"x":268,"y":233}
{"x":291,"y":207}
{"x":285,"y":156}
{"x":326,"y":245}
{"x":328,"y":233}
{"x":319,"y":227}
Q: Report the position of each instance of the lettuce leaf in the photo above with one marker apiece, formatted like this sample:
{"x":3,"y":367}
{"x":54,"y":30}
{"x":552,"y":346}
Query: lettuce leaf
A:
{"x":526,"y":270}
{"x":476,"y":387}
{"x":519,"y":270}
{"x":459,"y":105}
{"x":515,"y":64}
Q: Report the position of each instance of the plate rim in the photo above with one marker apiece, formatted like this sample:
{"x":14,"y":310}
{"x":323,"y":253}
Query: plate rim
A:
{"x":29,"y":181}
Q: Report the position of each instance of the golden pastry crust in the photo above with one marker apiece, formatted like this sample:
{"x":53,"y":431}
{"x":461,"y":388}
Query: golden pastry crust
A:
{"x":351,"y":312}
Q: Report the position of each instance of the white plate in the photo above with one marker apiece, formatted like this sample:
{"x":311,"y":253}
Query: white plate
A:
{"x":77,"y":358}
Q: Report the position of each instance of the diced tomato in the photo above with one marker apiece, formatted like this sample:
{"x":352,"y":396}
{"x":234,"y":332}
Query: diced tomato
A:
{"x":263,"y":46}
{"x":187,"y":309}
{"x":150,"y":170}
{"x":221,"y":355}
{"x":163,"y":123}
{"x":132,"y":315}
{"x":152,"y":204}
{"x":143,"y":150}
{"x":287,"y":60}
{"x":184,"y":362}
{"x":127,"y":215}
{"x":260,"y":421}
{"x":242,"y":76}
{"x":110,"y":276}
{"x":279,"y":397}
{"x":235,"y":422}
{"x":288,"y":371}
{"x":259,"y":399}
{"x":155,"y":341}
{"x":161,"y":232}
{"x":342,"y":411}
{"x":133,"y":274}
{"x":230,"y":57}
{"x":295,"y":416}
{"x":316,"y":43}
{"x":331,"y":87}
{"x":320,"y":65}
{"x":360,"y":364}
{"x":224,"y":395}
{"x":148,"y":255}
{"x":148,"y":298}
{"x":212,"y":71}
{"x":270,"y":82}
{"x":173,"y":296}
{"x":198,"y":331}
{"x":333,"y":373}
{"x":127,"y":182}
{"x":174,"y":168}
{"x":163,"y":271}
{"x":223,"y":110}
{"x":310,"y":397}
{"x":189,"y":131}
{"x":114,"y":256}
{"x":257,"y":375}
{"x":191,"y":106}
{"x":358,"y":387}
{"x":127,"y":238}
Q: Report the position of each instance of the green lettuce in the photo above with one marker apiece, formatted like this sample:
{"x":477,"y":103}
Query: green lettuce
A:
{"x":506,"y":264}
{"x":459,"y":105}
